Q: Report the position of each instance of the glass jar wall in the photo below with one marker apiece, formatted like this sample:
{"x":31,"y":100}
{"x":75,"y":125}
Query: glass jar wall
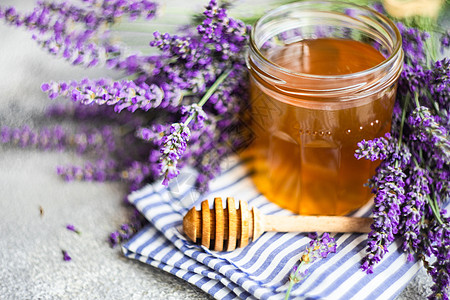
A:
{"x":323,"y":77}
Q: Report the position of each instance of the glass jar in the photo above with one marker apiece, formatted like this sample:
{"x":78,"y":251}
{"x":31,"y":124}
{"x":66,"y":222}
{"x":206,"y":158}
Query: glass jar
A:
{"x":323,"y":76}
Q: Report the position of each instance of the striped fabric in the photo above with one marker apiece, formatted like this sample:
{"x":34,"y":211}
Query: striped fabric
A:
{"x":261,"y":269}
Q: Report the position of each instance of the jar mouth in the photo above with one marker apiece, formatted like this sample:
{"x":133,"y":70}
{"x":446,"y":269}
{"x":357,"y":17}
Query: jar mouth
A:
{"x":378,"y":23}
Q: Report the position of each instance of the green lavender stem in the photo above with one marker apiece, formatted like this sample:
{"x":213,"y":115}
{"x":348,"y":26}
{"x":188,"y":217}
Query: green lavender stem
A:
{"x":435,"y":208}
{"x":292,"y":281}
{"x":209,"y":93}
{"x":288,"y":292}
{"x":402,"y":123}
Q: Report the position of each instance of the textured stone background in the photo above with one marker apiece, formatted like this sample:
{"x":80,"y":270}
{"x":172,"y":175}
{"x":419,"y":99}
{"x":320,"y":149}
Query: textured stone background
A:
{"x":31,"y":265}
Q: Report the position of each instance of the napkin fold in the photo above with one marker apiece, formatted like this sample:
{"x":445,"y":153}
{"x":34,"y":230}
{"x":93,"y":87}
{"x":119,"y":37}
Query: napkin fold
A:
{"x":260,"y":270}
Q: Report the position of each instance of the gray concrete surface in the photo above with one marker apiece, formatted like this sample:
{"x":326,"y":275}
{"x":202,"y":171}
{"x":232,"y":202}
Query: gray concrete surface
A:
{"x":31,"y":265}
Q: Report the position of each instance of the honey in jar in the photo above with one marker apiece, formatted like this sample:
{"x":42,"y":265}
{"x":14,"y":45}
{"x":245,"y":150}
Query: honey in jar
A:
{"x":313,"y":98}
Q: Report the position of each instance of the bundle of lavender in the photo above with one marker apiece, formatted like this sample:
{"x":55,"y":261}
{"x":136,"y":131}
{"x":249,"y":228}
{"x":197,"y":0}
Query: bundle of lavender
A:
{"x":412,"y":184}
{"x":181,"y":107}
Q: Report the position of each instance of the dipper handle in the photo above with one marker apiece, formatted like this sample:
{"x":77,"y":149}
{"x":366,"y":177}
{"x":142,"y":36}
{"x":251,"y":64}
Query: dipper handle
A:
{"x":317,"y":223}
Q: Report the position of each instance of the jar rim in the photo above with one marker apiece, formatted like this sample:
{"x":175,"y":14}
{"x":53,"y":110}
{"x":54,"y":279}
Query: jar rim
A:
{"x":392,"y":57}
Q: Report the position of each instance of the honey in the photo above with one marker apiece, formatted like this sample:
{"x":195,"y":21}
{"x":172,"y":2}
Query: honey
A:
{"x":326,"y":56}
{"x":312,"y":101}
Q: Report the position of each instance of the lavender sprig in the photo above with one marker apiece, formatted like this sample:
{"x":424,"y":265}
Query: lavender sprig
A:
{"x":187,"y":63}
{"x":376,"y":149}
{"x":412,"y":184}
{"x":79,"y":35}
{"x":59,"y":139}
{"x":99,"y":171}
{"x":427,"y":130}
{"x":389,"y":183}
{"x":173,"y":147}
{"x":227,"y":34}
{"x":413,"y":210}
{"x":195,"y":110}
{"x":122,"y":95}
{"x":102,"y":12}
{"x":438,"y":84}
{"x":414,"y":44}
{"x":438,"y":244}
{"x":174,"y":144}
{"x":66,"y":256}
{"x":445,"y":41}
{"x":72,"y":228}
{"x":319,"y":247}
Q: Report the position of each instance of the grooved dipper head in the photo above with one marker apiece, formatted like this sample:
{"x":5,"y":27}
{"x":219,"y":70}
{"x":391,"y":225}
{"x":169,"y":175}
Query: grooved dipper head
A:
{"x":223,"y":229}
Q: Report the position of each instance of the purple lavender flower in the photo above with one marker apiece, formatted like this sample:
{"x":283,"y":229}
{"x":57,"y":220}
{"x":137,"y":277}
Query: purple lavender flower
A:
{"x":84,"y":53}
{"x":122,"y":95}
{"x":192,"y":62}
{"x":319,"y":247}
{"x":127,"y":230}
{"x":45,"y":139}
{"x":102,"y":12}
{"x":72,"y":228}
{"x":437,"y":243}
{"x":58,"y":139}
{"x":5,"y":135}
{"x":114,"y":238}
{"x":102,"y":139}
{"x":188,"y":62}
{"x":173,"y":147}
{"x":378,"y":7}
{"x":441,"y":185}
{"x":207,"y":149}
{"x":86,"y":43}
{"x":154,"y":134}
{"x":229,"y":99}
{"x":228,"y":35}
{"x":351,"y":12}
{"x":136,"y":173}
{"x":390,"y":196}
{"x":413,"y":44}
{"x":445,"y":41}
{"x":427,"y":130}
{"x":412,"y":79}
{"x":376,"y":149}
{"x":66,"y":256}
{"x":100,"y":171}
{"x":204,"y":153}
{"x":414,"y":209}
{"x":438,"y":84}
{"x":413,"y":183}
{"x":195,"y":112}
{"x":185,"y":48}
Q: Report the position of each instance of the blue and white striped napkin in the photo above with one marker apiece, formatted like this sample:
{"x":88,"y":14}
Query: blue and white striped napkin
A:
{"x":260,"y":270}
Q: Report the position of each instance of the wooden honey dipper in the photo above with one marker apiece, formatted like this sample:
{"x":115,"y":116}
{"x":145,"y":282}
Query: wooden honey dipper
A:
{"x":225,"y":229}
